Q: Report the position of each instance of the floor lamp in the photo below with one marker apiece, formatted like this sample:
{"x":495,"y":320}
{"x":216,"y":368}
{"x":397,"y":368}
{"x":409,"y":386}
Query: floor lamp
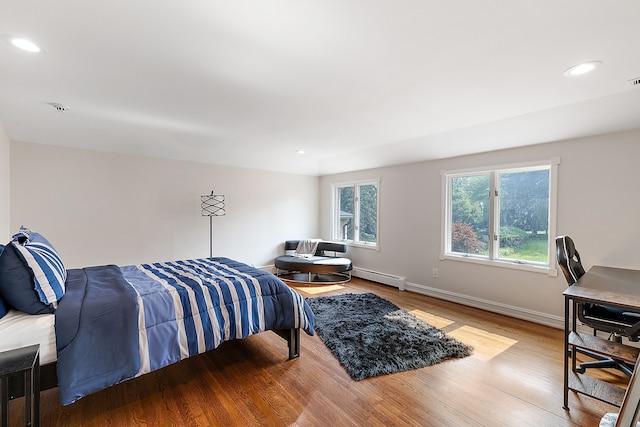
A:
{"x":212,"y":205}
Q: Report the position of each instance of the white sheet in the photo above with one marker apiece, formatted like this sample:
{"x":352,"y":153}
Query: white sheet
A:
{"x":18,"y":329}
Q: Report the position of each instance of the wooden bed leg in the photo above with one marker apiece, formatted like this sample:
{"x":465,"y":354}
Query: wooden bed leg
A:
{"x":293,"y":340}
{"x":294,"y":343}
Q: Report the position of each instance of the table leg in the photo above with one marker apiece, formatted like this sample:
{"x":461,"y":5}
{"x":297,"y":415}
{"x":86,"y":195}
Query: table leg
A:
{"x":36,"y":392}
{"x":566,"y":354}
{"x":28,"y":397}
{"x":4,"y":394}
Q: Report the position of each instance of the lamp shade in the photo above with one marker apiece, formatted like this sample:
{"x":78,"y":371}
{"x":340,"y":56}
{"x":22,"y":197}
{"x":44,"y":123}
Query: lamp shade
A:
{"x":212,"y":205}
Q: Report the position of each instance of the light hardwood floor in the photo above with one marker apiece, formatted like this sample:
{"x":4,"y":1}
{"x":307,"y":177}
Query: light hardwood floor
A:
{"x":513,"y":378}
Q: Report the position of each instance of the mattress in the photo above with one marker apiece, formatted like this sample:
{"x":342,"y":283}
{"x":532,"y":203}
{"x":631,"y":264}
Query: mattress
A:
{"x":18,"y":329}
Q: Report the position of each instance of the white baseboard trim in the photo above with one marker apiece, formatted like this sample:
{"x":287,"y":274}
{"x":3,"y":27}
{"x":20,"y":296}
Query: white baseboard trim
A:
{"x":495,"y":307}
{"x":376,"y":276}
{"x":271,"y":268}
{"x":492,"y":306}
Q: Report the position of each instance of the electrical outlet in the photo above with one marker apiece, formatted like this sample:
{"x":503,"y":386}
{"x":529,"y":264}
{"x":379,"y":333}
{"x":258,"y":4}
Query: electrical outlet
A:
{"x":435,"y":273}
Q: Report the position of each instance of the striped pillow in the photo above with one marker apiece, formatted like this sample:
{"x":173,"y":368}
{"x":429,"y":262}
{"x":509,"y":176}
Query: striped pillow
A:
{"x":48,"y":270}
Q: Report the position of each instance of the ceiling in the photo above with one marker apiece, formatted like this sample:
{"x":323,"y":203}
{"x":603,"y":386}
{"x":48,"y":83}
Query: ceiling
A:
{"x":356,"y":84}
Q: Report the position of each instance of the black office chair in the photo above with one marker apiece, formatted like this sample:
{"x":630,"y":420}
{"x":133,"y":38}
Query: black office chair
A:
{"x":616,"y":321}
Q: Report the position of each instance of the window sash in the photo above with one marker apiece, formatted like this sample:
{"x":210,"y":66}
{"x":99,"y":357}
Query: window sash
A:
{"x":492,"y":254}
{"x":347,"y":223}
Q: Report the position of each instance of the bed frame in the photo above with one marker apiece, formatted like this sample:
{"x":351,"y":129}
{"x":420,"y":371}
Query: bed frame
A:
{"x":49,"y":378}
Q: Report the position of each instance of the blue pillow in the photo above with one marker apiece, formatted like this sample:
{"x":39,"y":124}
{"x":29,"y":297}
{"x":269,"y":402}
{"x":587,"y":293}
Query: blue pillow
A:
{"x":32,"y":275}
{"x":3,"y":306}
{"x":16,"y":284}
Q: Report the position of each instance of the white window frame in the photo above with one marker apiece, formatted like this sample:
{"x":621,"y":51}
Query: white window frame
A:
{"x":492,"y":259}
{"x":335,"y":222}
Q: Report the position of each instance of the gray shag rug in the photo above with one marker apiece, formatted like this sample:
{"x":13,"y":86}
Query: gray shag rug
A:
{"x":371,"y":336}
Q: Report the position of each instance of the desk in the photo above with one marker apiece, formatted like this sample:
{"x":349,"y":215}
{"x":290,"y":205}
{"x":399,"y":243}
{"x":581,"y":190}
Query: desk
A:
{"x":22,"y":361}
{"x":601,"y":285}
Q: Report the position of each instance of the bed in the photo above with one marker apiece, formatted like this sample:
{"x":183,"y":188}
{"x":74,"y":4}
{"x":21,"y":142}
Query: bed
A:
{"x":113,"y":323}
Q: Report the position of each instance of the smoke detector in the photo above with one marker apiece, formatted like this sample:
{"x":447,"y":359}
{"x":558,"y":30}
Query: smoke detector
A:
{"x":60,"y":107}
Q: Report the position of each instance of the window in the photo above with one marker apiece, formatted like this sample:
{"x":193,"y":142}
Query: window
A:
{"x":502,"y":216}
{"x":355,"y":213}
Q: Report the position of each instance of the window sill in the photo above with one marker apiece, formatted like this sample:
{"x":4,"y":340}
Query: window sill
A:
{"x":361,"y":245}
{"x":502,"y":264}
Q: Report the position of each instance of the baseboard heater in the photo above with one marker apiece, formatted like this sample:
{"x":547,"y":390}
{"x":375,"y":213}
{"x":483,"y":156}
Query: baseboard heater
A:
{"x":376,"y":276}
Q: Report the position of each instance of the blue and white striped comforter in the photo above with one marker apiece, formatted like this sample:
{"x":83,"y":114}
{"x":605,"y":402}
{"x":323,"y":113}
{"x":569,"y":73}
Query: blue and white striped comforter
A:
{"x":183,"y":308}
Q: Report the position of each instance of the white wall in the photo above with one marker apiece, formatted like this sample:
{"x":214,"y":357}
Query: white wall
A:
{"x":5,"y":169}
{"x":598,"y":206}
{"x":98,"y":208}
{"x":101,"y":208}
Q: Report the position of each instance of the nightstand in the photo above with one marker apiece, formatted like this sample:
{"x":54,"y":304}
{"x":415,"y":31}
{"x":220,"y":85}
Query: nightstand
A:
{"x":22,"y":361}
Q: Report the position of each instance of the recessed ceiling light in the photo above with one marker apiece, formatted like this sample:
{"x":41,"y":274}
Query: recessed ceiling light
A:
{"x":583,"y":68}
{"x":299,"y":151}
{"x":22,"y":43}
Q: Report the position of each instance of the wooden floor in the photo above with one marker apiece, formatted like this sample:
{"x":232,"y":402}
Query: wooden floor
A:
{"x":513,"y":378}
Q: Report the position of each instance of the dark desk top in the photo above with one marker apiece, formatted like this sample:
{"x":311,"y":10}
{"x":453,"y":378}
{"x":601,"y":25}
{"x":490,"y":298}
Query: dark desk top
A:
{"x":613,"y":286}
{"x":18,"y":360}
